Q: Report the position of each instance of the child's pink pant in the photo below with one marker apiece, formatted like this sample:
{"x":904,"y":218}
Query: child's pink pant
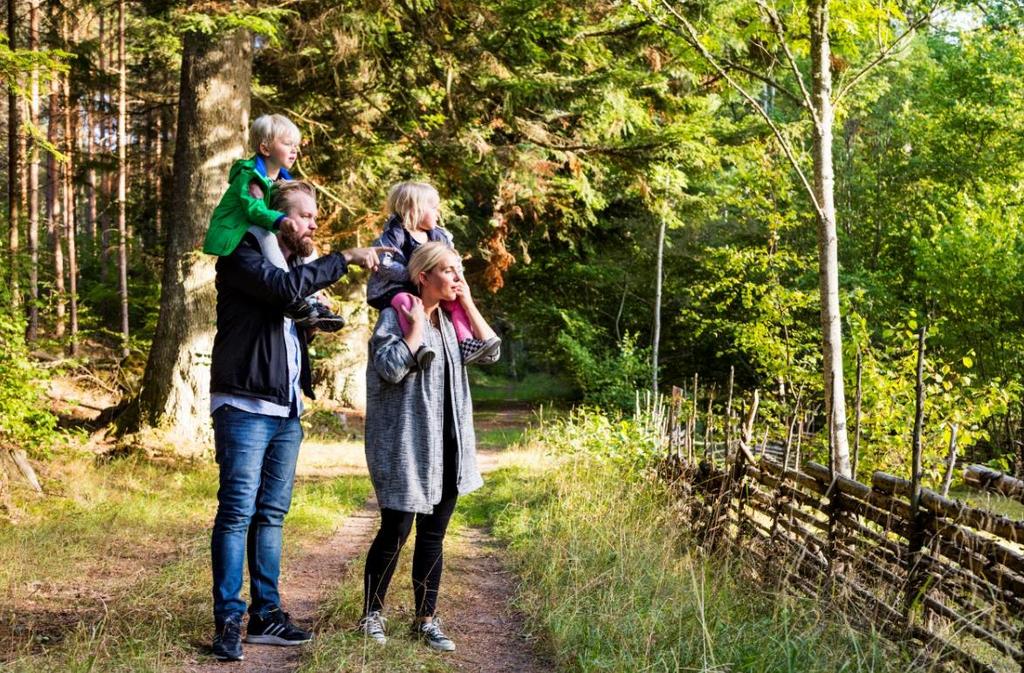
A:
{"x":463,"y":329}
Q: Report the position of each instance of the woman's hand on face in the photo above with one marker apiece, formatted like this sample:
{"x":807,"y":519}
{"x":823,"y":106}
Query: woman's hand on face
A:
{"x":414,"y":314}
{"x":463,"y":294}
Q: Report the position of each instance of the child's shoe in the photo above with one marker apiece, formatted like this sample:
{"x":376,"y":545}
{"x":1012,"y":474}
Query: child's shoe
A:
{"x":476,"y":349}
{"x":326,"y":319}
{"x":311,"y":313}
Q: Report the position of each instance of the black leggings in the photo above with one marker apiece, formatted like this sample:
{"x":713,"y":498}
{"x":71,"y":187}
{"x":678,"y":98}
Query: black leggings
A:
{"x":427,"y":557}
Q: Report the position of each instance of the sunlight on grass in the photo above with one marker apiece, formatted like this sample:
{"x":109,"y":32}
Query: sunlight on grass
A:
{"x":112,"y":573}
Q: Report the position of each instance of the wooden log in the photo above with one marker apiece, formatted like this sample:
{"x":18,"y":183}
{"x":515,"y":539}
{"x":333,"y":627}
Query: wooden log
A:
{"x":993,"y":480}
{"x":972,"y":627}
{"x":959,"y":512}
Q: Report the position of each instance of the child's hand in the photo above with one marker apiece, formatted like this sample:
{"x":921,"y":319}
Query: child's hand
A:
{"x":288,"y":225}
{"x":464,"y":295}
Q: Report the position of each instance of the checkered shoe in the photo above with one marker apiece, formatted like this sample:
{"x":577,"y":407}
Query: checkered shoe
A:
{"x":476,"y":349}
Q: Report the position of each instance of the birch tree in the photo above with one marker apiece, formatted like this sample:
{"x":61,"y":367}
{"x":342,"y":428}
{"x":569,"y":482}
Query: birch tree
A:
{"x":776,"y":46}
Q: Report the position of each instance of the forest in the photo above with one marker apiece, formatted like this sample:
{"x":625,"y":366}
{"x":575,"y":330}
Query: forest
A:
{"x":804,"y":198}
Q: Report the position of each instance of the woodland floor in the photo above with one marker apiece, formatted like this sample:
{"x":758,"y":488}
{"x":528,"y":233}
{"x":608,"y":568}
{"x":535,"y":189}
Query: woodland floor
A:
{"x":477,"y":590}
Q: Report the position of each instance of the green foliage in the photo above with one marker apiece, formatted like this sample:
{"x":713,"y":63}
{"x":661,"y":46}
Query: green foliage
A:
{"x":25,"y":419}
{"x":608,"y":374}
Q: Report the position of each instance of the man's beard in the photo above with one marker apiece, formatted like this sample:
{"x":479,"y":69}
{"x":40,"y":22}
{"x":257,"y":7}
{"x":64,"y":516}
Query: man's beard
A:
{"x":303,"y":247}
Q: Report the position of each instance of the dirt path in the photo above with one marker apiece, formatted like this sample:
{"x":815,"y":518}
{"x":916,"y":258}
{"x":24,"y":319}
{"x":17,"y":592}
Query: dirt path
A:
{"x":478,"y":588}
{"x":490,"y":634}
{"x":303,"y":584}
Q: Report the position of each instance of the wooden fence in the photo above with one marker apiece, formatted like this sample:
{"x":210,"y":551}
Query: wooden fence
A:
{"x":945,"y":576}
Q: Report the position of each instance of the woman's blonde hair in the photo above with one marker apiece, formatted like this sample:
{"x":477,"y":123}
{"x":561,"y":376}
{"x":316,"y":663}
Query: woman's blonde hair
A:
{"x":409,"y":200}
{"x":268,"y":128}
{"x":426,"y":257}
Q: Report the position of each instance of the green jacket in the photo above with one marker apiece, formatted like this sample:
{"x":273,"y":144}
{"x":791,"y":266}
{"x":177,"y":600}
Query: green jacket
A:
{"x":238,"y":209}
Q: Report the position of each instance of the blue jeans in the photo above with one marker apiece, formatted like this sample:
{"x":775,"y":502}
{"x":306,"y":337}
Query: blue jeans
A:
{"x":257,"y":455}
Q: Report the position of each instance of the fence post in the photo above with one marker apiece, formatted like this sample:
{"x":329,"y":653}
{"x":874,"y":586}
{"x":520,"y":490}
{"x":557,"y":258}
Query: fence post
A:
{"x":917,"y":519}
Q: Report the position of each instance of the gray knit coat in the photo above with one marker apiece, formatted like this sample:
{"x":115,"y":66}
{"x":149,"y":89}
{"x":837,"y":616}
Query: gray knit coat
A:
{"x":405,"y":416}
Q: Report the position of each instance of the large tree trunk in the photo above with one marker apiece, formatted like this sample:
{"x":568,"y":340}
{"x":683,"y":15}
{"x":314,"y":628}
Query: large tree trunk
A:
{"x":828,"y":255}
{"x":122,"y":176}
{"x":13,"y":162}
{"x":212,"y":118}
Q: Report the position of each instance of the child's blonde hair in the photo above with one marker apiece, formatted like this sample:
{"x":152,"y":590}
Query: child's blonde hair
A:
{"x":409,"y":200}
{"x":426,"y":257}
{"x":268,"y":128}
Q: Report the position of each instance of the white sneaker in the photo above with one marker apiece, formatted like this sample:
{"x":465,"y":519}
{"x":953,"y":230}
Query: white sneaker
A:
{"x":372,"y":625}
{"x":431,"y":633}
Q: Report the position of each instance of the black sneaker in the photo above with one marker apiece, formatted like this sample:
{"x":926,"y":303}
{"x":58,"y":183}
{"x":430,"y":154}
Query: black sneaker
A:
{"x":302,"y":313}
{"x":275,"y":629}
{"x":227,"y":641}
{"x":432,"y":635}
{"x":477,"y":349}
{"x":326,"y":320}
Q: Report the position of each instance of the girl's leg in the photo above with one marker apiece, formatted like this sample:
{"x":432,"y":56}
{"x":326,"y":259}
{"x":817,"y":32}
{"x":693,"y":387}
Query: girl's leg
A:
{"x":428,"y":556}
{"x":383,"y":557}
{"x":463,"y":328}
{"x":400,"y":301}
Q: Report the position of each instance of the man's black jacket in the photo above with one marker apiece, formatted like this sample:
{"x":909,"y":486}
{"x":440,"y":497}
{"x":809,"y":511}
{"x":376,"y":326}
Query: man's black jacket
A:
{"x":249,"y":353}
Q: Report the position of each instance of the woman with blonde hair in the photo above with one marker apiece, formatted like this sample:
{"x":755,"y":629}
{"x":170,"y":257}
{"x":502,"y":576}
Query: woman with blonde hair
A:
{"x":415,"y":209}
{"x":420,"y":443}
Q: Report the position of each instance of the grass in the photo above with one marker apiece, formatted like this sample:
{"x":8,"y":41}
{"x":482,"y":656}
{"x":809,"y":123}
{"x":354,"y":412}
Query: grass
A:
{"x":612,"y":583}
{"x":987,"y":500}
{"x":111,"y":571}
{"x":533,"y":388}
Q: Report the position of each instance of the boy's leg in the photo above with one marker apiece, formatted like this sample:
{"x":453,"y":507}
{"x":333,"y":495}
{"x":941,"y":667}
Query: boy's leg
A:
{"x":402,"y":300}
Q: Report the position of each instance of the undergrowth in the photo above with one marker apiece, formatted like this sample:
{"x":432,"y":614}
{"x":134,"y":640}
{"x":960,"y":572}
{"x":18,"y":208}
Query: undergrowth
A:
{"x":612,"y":581}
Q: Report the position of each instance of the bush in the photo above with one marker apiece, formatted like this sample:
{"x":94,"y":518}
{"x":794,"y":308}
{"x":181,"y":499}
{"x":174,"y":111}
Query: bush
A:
{"x":25,"y":419}
{"x":608,"y":374}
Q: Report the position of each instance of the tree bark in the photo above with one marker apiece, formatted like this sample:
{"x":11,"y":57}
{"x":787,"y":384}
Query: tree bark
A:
{"x":213,"y":115}
{"x":122,"y":175}
{"x":33,"y":181}
{"x":828,"y":254}
{"x":70,"y":225}
{"x":13,"y":163}
{"x":655,"y":341}
{"x":54,"y":207}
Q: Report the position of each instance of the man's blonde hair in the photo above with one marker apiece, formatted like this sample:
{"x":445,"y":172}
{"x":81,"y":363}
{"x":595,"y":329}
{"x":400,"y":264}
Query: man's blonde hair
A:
{"x":285,"y":194}
{"x":268,"y":128}
{"x":409,"y":200}
{"x":426,"y":257}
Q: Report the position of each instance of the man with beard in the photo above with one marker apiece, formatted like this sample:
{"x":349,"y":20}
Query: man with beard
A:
{"x":260,"y":368}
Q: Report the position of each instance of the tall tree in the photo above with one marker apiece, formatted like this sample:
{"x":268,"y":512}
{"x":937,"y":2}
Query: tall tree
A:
{"x":213,"y":114}
{"x":122,"y":174}
{"x":774,"y":54}
{"x":33,"y":178}
{"x":13,"y":160}
{"x":68,"y":190}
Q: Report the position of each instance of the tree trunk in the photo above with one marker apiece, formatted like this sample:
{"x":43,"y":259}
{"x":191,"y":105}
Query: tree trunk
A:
{"x":54,"y":207}
{"x":158,"y":177}
{"x":13,"y":162}
{"x":655,"y":342}
{"x":33,"y":180}
{"x":70,"y":225}
{"x":122,"y":175}
{"x":212,"y":118}
{"x":828,"y":256}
